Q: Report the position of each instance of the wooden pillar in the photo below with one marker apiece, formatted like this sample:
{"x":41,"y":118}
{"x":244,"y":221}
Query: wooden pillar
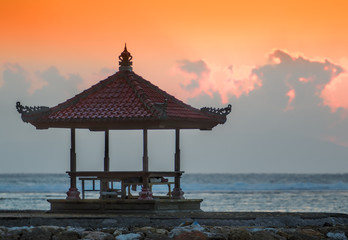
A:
{"x":145,"y":152}
{"x":104,"y":185}
{"x":145,"y":193}
{"x":73,"y":192}
{"x":177,"y":191}
{"x":106,"y":154}
{"x":177,"y":151}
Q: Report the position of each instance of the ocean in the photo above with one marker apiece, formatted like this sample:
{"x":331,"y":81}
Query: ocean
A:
{"x":220,"y":192}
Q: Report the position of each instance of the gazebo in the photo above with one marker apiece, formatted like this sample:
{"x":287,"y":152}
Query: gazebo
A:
{"x":125,"y":101}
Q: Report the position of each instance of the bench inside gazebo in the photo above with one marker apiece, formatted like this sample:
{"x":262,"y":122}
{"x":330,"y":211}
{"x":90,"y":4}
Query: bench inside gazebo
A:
{"x":124,"y":101}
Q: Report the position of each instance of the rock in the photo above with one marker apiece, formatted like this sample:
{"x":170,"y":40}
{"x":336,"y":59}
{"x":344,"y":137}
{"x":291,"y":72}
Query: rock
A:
{"x":39,"y":233}
{"x":98,"y":236}
{"x":150,"y":230}
{"x":2,"y":233}
{"x":108,"y":230}
{"x":266,"y":235}
{"x":239,"y":234}
{"x":311,"y":233}
{"x":130,"y":236}
{"x":194,"y":235}
{"x":155,"y":236}
{"x":67,"y":235}
{"x":217,"y":232}
{"x":54,"y":230}
{"x":300,"y":235}
{"x":161,"y":231}
{"x":120,"y":231}
{"x":15,"y":233}
{"x":185,"y":228}
{"x":117,"y":232}
{"x":337,"y":235}
{"x":144,"y":229}
{"x":215,"y":236}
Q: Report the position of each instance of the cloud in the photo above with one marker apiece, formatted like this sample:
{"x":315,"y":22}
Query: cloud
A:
{"x":32,"y":83}
{"x":303,"y":78}
{"x":14,"y":79}
{"x":201,"y":77}
{"x":19,"y":139}
{"x":95,"y":77}
{"x":197,"y":67}
{"x":193,"y":71}
{"x":58,"y":87}
{"x":334,"y":93}
{"x":284,"y":123}
{"x":292,"y":79}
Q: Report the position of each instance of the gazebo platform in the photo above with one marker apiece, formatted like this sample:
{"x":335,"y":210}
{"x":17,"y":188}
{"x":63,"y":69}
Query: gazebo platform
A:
{"x":124,"y":205}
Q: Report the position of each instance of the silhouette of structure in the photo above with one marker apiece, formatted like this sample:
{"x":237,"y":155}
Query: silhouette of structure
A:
{"x":123,"y":101}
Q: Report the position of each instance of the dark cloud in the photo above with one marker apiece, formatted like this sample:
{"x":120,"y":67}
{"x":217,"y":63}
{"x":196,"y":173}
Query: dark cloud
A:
{"x":14,"y":81}
{"x":58,"y":87}
{"x":197,"y":67}
{"x":194,"y":83}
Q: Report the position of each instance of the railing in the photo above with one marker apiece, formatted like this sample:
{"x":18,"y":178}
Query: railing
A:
{"x":126,"y":178}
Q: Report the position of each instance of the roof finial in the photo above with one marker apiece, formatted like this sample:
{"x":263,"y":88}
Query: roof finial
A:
{"x":125,"y":60}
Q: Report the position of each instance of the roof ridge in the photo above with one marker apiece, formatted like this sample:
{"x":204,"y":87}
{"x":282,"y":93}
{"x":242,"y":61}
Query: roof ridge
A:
{"x":171,"y":97}
{"x":140,"y":93}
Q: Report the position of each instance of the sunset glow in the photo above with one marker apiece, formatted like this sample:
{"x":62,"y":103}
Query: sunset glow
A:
{"x":283,"y":65}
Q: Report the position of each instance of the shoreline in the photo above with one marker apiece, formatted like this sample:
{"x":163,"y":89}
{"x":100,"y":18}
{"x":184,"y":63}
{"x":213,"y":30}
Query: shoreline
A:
{"x":203,"y":225}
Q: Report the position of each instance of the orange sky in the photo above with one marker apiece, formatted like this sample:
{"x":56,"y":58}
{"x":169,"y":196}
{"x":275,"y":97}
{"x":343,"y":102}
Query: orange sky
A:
{"x":277,"y":62}
{"x":226,"y":31}
{"x":84,"y":36}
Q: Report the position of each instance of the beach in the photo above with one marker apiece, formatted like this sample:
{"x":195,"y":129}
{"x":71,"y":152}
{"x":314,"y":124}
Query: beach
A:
{"x":198,"y":225}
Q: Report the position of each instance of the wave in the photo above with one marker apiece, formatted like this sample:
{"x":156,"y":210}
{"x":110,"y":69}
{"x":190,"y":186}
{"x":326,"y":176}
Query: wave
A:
{"x":242,"y":186}
{"x":196,"y":187}
{"x":39,"y":188}
{"x":59,"y":183}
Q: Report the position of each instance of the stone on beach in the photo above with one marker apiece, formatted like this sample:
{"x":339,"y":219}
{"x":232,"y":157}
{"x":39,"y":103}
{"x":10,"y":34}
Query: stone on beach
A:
{"x":130,"y":236}
{"x":97,"y":236}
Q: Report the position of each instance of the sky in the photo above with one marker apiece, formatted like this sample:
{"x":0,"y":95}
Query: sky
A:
{"x":281,"y":64}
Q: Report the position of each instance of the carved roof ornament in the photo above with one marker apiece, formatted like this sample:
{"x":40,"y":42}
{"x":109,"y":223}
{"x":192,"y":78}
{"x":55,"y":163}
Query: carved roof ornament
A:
{"x":218,"y":111}
{"x":125,"y":60}
{"x":30,"y":113}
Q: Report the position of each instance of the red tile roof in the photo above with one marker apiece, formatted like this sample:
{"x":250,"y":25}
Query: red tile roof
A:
{"x":125,"y":100}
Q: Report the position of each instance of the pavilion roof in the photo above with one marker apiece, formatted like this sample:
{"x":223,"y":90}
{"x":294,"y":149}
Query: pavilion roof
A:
{"x":124,"y":100}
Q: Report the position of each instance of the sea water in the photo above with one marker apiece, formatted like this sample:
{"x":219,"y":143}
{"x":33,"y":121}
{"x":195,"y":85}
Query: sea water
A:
{"x":220,"y":192}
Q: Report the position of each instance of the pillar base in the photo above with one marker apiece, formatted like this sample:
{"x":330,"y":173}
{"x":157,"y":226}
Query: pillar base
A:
{"x":145,"y":194}
{"x":177,"y":193}
{"x":73,"y":194}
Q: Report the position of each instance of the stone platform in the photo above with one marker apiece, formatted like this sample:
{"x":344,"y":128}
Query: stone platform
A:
{"x":124,"y":206}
